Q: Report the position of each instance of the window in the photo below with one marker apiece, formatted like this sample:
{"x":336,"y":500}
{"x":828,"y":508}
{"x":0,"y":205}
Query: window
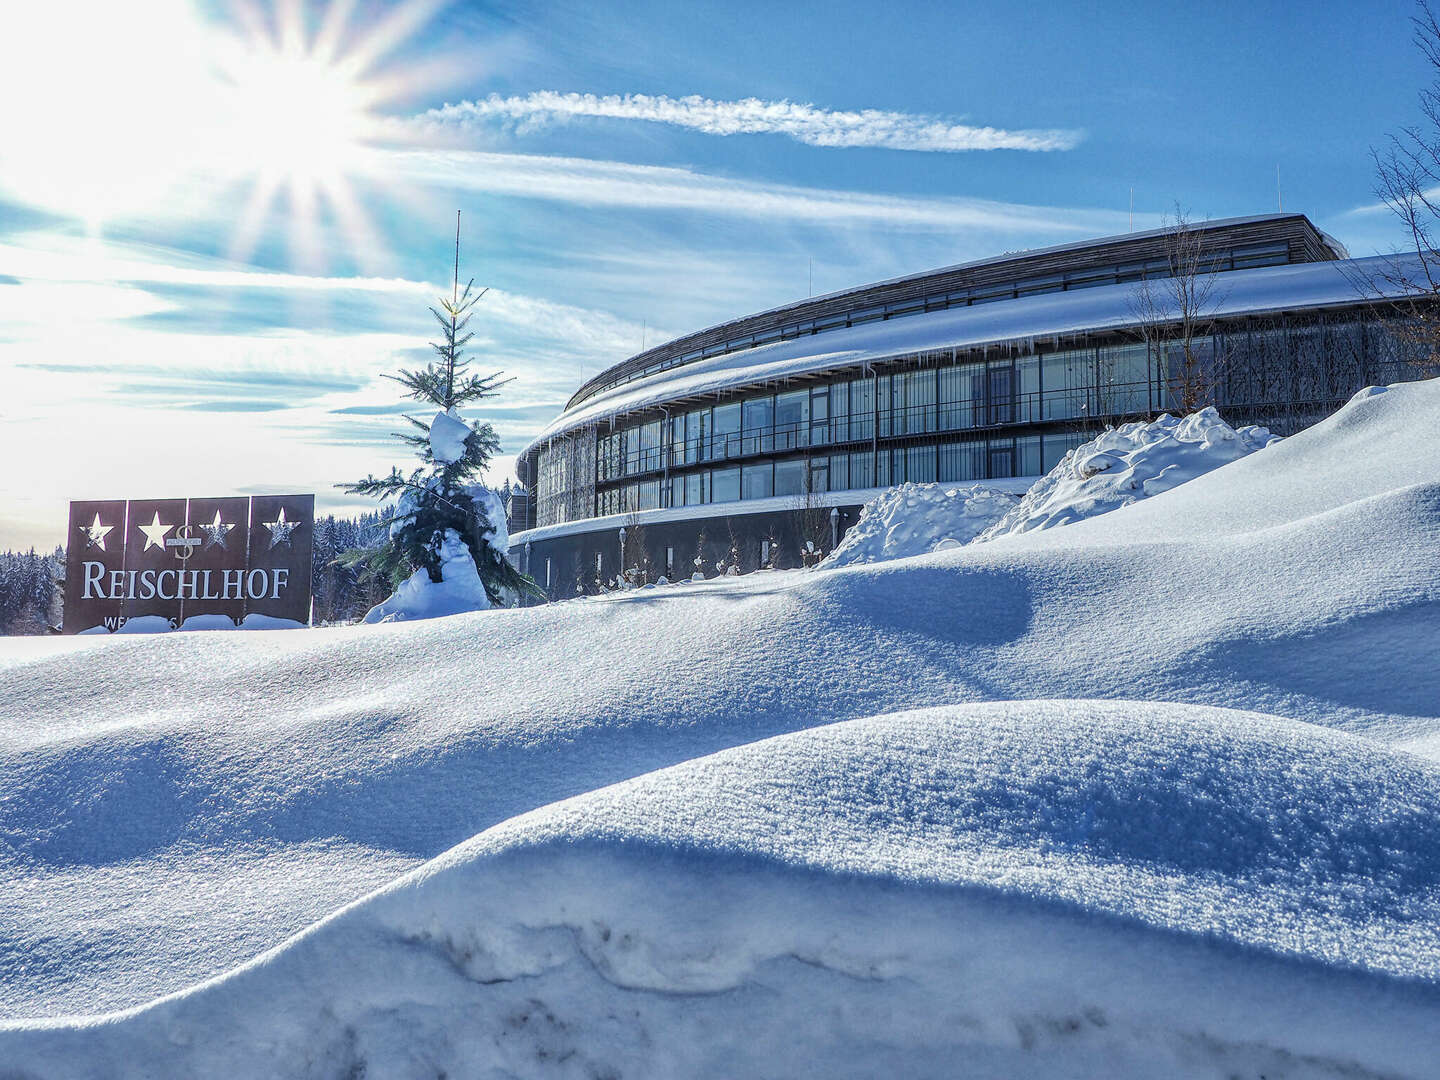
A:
{"x":840,"y":412}
{"x":862,"y":409}
{"x":547,"y":573}
{"x":1027,"y":456}
{"x":792,"y":419}
{"x":920,"y":464}
{"x":696,"y":488}
{"x":677,"y":491}
{"x":648,"y":495}
{"x":1001,"y":384}
{"x":839,"y":472}
{"x":1067,"y":378}
{"x":819,"y":416}
{"x":1124,"y":380}
{"x":669,"y":562}
{"x":759,"y":421}
{"x":962,"y":461}
{"x":819,"y":474}
{"x":1002,"y":460}
{"x":724,"y":484}
{"x":696,"y":425}
{"x":599,"y":570}
{"x":1057,"y":446}
{"x":862,"y":470}
{"x":725,"y":435}
{"x":789,"y":477}
{"x":649,"y":446}
{"x":962,"y":392}
{"x":755,"y":481}
{"x":1027,"y":387}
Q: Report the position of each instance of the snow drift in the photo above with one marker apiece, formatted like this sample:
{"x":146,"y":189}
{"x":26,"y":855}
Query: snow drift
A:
{"x":1076,"y":888}
{"x":915,"y":519}
{"x":172,"y":806}
{"x":1129,"y":463}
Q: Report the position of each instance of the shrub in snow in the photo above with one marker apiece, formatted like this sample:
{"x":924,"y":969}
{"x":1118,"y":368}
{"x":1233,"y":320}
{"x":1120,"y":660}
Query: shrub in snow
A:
{"x":1126,"y":464}
{"x":446,"y":542}
{"x":915,"y":519}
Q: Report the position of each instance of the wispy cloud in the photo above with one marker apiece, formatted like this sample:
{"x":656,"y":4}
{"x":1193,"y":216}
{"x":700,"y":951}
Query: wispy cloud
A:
{"x":590,"y":182}
{"x":802,"y":122}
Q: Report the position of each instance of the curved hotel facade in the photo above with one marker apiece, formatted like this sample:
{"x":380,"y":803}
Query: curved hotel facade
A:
{"x":745,"y":441}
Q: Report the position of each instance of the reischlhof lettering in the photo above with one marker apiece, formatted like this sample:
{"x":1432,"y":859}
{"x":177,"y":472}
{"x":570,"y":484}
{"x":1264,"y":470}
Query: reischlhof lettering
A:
{"x":201,"y":563}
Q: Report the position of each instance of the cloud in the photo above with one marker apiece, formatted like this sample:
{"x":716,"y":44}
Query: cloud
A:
{"x":590,"y":182}
{"x":801,"y":122}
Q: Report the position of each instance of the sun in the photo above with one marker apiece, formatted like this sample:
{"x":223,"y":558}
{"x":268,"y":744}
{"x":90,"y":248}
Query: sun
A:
{"x":171,"y":110}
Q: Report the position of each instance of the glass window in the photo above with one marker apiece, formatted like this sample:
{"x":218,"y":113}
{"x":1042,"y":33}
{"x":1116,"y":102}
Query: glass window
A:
{"x":1067,"y":378}
{"x":862,"y":470}
{"x":755,"y":481}
{"x":695,"y":488}
{"x":792,"y":419}
{"x":1057,"y":446}
{"x":820,"y":474}
{"x":920,"y":464}
{"x":1027,"y":456}
{"x":912,"y":403}
{"x":725,"y":436}
{"x":759,"y":423}
{"x":819,"y":416}
{"x":677,"y":491}
{"x":649,"y":495}
{"x":862,"y":409}
{"x":962,"y":396}
{"x":1027,"y":388}
{"x":839,"y":412}
{"x":839,"y":472}
{"x":695,"y":431}
{"x":962,"y":461}
{"x":1124,"y":380}
{"x":1002,"y":459}
{"x":649,"y":445}
{"x":790,"y":477}
{"x":724,"y":484}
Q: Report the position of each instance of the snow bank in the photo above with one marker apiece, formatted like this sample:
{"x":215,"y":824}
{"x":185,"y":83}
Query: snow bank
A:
{"x":460,"y":588}
{"x":1126,"y":464}
{"x":1037,"y":889}
{"x":170,"y":806}
{"x":915,"y":519}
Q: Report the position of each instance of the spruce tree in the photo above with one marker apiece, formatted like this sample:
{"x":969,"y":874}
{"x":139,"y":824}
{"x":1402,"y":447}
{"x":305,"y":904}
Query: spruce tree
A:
{"x":441,"y":496}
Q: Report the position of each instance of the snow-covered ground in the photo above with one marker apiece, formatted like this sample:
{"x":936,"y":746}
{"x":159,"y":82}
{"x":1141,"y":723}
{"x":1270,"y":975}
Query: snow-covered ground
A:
{"x":793,"y":874}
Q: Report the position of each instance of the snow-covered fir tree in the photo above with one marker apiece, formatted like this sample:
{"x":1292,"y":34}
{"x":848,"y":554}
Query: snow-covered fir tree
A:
{"x":444,"y":551}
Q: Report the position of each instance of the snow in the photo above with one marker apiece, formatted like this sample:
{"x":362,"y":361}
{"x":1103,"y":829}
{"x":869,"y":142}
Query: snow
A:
{"x":1129,"y":463}
{"x":448,"y":432}
{"x":418,"y":597}
{"x":1291,"y":287}
{"x":1154,"y":794}
{"x":915,"y":519}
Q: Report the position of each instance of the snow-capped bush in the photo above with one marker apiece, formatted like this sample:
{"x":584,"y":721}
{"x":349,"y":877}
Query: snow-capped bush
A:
{"x":1126,"y":464}
{"x":418,"y":597}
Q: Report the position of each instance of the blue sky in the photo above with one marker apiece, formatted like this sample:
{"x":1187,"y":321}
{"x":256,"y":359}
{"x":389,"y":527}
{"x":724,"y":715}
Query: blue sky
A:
{"x":221,"y":222}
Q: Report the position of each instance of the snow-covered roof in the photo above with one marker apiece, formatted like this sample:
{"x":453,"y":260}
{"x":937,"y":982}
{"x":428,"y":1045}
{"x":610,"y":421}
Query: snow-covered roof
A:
{"x":1266,"y":289}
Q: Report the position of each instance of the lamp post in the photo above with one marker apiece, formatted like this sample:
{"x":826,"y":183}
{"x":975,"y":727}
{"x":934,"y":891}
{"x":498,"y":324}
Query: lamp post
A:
{"x":834,"y":527}
{"x":620,"y":574}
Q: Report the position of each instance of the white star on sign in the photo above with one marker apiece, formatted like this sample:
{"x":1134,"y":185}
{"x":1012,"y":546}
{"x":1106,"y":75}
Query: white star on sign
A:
{"x":280,"y":529}
{"x":155,"y":533}
{"x":215,"y":532}
{"x":95,"y":533}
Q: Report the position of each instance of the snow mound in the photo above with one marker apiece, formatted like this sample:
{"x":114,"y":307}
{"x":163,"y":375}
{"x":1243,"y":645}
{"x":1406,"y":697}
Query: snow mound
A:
{"x":1127,"y":464}
{"x":1038,"y":889}
{"x":448,"y":433}
{"x":172,"y":806}
{"x":915,"y":519}
{"x":460,"y":588}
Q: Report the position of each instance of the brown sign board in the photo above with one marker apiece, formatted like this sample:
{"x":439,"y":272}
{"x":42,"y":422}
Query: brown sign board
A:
{"x":197,"y":563}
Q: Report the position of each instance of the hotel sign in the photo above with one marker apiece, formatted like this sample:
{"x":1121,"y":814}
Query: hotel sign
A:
{"x":180,"y":559}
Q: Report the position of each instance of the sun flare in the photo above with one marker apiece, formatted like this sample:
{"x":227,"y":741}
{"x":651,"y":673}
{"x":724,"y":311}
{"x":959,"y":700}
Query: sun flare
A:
{"x":164,"y":112}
